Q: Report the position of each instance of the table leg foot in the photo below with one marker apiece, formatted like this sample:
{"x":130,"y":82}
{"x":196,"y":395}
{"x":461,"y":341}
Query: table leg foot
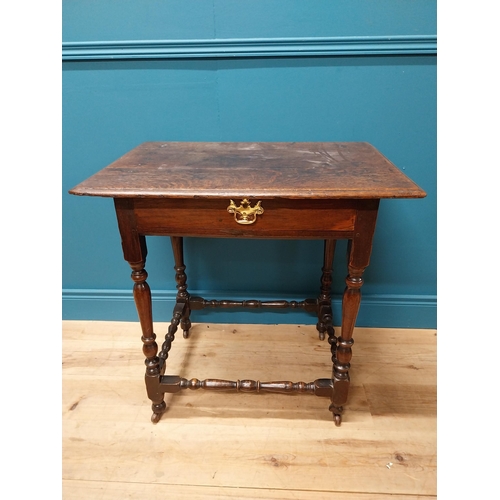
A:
{"x":337,"y":414}
{"x":186,"y":322}
{"x":158,"y":411}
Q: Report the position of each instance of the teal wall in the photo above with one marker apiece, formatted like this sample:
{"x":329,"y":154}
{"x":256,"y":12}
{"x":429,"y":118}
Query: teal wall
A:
{"x":250,"y":71}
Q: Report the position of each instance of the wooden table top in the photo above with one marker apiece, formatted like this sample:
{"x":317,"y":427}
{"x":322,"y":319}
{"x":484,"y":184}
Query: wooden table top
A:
{"x":296,"y":170}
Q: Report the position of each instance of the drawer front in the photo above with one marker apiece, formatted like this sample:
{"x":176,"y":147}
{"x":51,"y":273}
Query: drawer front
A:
{"x":279,"y":218}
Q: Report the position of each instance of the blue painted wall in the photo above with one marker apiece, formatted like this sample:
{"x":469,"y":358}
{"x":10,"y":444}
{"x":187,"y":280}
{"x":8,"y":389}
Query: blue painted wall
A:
{"x":380,"y":89}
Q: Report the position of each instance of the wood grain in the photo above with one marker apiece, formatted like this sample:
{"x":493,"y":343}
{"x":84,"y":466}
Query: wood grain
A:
{"x":263,"y":169}
{"x":211,"y":445}
{"x":281,"y":218}
{"x":102,"y":490}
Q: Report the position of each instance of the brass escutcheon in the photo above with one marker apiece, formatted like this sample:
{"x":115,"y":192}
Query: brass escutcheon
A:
{"x":245,"y":214}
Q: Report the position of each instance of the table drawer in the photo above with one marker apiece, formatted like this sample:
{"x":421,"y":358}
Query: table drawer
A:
{"x":279,"y":218}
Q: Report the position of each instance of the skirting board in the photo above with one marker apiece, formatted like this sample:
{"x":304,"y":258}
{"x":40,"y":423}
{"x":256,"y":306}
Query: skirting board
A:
{"x":376,"y":311}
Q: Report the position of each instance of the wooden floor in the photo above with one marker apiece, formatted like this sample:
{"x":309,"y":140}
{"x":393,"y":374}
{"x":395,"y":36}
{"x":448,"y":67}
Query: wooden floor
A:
{"x":244,"y":446}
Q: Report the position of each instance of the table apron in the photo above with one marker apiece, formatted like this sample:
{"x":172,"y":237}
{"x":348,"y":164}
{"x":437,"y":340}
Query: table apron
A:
{"x":280,"y":218}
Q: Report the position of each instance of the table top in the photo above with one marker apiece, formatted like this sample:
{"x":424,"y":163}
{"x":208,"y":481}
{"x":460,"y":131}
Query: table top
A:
{"x":291,"y":170}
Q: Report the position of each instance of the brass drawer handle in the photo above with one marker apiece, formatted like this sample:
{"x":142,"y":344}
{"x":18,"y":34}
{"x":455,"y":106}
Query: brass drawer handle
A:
{"x":245,"y":214}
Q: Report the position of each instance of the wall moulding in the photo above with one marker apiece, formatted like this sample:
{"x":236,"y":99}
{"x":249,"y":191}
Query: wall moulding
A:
{"x":243,"y":48}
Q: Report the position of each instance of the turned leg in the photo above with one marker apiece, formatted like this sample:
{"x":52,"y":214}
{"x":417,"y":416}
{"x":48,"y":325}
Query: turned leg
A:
{"x":358,"y":254}
{"x":325,"y":290}
{"x":181,"y":280}
{"x":142,"y":297}
{"x":134,"y":252}
{"x":343,"y":354}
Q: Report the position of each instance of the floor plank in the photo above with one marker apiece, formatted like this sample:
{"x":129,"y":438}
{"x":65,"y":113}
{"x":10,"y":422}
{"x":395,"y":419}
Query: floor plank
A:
{"x":97,"y":490}
{"x":223,"y":445}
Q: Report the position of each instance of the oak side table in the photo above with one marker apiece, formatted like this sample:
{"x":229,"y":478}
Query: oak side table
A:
{"x":306,"y":190}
